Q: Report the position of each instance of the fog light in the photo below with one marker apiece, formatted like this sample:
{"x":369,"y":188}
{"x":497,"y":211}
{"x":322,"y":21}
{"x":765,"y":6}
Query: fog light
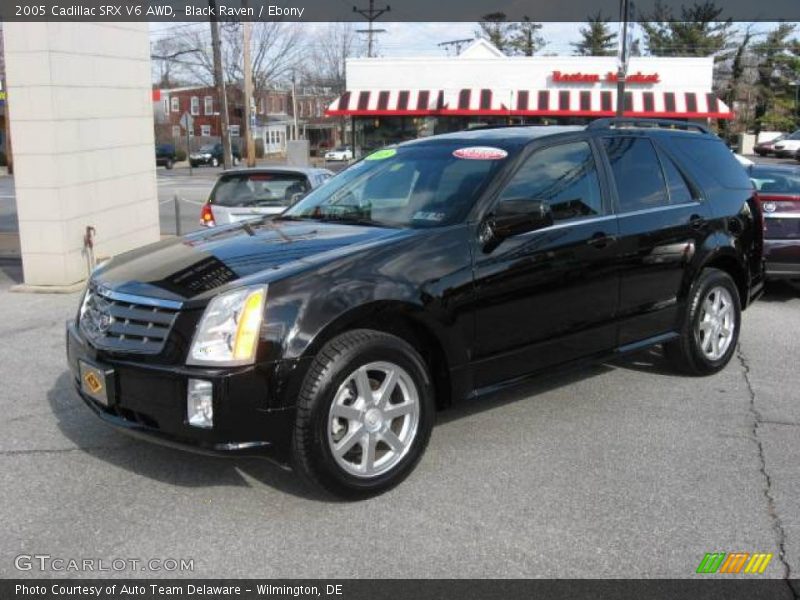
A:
{"x":199,"y":403}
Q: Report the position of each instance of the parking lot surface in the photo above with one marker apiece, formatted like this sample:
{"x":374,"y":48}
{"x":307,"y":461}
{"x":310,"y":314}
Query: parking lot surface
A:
{"x":620,"y":470}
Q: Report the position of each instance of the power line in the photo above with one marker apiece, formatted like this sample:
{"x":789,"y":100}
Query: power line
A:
{"x":371,"y":14}
{"x":457,"y":43}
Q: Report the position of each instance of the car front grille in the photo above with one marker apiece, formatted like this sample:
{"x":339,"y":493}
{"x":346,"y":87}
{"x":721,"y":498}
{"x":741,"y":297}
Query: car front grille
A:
{"x":125,"y":323}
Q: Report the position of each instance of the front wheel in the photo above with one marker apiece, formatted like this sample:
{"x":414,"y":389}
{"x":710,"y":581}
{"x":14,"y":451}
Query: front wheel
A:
{"x":214,"y":162}
{"x":364,"y":416}
{"x":710,"y":327}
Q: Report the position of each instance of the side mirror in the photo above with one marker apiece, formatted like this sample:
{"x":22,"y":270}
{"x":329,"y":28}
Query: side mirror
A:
{"x":514,"y":217}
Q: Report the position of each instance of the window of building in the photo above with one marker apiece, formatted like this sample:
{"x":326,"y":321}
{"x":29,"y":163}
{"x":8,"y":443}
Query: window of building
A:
{"x":208,"y":105}
{"x":195,"y":105}
{"x":175,"y":104}
{"x":205,"y":130}
{"x":563,"y":176}
{"x":637,"y":173}
{"x":176,"y":131}
{"x":166,"y":106}
{"x":234,"y":130}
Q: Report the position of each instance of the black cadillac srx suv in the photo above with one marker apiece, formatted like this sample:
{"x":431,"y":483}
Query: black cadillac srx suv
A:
{"x":328,"y":336}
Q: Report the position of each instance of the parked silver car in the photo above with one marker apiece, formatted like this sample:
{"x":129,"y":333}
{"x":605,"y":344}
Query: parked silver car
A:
{"x":241,"y":194}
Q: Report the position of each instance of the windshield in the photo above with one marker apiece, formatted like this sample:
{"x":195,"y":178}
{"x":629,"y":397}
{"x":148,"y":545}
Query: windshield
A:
{"x":794,"y":136}
{"x":259,"y":189}
{"x":207,"y":148}
{"x":410,"y":186}
{"x":776,"y":181}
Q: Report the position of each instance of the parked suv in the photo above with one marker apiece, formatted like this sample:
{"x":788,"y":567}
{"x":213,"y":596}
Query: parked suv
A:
{"x":165,"y":155}
{"x":212,"y":155}
{"x":433,"y":271}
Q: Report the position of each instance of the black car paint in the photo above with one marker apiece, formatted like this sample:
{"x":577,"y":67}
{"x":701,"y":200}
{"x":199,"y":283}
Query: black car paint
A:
{"x":482,"y":318}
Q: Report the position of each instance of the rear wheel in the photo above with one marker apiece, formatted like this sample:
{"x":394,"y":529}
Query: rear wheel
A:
{"x":169,"y":164}
{"x":365,"y":414}
{"x":710,"y":327}
{"x":214,"y":162}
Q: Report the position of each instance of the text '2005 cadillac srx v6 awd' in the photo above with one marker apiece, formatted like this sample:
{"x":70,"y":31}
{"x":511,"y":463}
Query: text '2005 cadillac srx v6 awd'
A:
{"x":328,"y":336}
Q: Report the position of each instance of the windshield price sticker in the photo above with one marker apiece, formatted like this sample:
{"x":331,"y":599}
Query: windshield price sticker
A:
{"x":382,"y":154}
{"x":480,"y":153}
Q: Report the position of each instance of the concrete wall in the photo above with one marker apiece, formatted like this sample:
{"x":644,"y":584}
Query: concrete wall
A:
{"x":82,"y":125}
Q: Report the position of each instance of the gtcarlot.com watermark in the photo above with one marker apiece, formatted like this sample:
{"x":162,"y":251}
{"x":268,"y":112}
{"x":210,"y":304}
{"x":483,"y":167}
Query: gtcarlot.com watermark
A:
{"x":60,"y":564}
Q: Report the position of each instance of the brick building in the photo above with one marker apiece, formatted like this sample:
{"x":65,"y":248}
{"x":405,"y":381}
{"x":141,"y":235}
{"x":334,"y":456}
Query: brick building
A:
{"x":273,"y":116}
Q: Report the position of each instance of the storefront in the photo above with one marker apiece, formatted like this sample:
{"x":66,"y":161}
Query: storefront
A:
{"x":393,"y":99}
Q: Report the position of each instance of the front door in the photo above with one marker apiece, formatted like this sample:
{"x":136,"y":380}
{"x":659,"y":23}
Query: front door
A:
{"x":548,"y":296}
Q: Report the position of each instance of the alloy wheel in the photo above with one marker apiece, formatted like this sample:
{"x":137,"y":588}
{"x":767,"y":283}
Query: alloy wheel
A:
{"x":373,"y":419}
{"x":717,"y":323}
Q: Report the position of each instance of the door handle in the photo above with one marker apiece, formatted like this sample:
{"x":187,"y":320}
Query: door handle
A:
{"x":697,"y":222}
{"x":601,"y":239}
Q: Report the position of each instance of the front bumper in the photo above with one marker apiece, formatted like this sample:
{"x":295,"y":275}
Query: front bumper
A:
{"x":149,"y":401}
{"x":782,"y":258}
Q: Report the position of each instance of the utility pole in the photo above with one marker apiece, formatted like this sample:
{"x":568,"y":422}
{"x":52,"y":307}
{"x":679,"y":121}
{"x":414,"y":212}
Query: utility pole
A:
{"x":457,"y":43}
{"x":622,"y":58}
{"x":219,"y":83}
{"x":294,"y":105}
{"x":371,"y":14}
{"x":9,"y":153}
{"x":248,"y":95}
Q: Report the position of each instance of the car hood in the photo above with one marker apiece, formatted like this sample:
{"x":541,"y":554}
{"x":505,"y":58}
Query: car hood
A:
{"x":199,"y":265}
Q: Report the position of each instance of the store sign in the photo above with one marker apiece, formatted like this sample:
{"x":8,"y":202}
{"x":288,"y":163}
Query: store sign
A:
{"x":638,"y":77}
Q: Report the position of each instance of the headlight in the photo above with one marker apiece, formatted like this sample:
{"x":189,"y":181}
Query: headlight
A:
{"x":229,"y":330}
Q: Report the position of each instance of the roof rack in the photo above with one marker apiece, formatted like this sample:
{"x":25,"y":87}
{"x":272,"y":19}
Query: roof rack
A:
{"x":608,"y":123}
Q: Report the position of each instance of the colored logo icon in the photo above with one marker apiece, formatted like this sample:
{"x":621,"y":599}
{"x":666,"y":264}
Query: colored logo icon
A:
{"x":734,"y":562}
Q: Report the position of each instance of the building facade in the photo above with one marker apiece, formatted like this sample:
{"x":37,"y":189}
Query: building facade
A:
{"x":273,"y":116}
{"x":391,"y":99}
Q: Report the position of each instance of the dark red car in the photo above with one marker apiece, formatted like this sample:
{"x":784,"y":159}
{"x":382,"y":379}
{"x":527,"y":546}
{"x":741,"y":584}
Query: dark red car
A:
{"x":768,"y":147}
{"x":779,"y":195}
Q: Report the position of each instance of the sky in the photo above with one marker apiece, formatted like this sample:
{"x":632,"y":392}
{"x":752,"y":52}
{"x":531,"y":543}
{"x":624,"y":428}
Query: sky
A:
{"x":421,"y":39}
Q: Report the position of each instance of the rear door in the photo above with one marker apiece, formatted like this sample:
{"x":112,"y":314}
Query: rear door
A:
{"x":662,"y":220}
{"x":548,"y":296}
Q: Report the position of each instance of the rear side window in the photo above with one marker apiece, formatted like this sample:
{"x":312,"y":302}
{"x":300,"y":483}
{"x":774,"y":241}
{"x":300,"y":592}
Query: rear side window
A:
{"x":679,"y":192}
{"x":563,"y":176}
{"x":637,"y":173}
{"x":711,"y":158}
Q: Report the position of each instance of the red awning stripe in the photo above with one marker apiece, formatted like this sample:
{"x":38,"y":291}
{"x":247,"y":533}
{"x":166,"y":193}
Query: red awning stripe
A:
{"x":554,"y":102}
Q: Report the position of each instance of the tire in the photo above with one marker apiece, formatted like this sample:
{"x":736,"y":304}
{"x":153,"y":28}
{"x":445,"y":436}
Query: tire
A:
{"x":235,"y":161}
{"x":694,"y":352}
{"x":333,"y":412}
{"x":169,"y":164}
{"x":214,"y":162}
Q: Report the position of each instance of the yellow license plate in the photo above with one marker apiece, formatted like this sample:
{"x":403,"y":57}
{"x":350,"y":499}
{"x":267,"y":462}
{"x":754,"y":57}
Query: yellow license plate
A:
{"x":94,"y":382}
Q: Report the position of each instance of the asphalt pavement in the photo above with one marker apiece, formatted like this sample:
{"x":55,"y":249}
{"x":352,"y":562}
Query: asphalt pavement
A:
{"x":620,"y":470}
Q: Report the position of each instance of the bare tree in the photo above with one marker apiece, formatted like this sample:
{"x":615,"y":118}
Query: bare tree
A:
{"x":331,"y":48}
{"x":277,"y":49}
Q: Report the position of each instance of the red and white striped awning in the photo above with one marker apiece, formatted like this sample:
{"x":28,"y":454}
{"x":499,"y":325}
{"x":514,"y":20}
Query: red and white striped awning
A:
{"x":552,"y":102}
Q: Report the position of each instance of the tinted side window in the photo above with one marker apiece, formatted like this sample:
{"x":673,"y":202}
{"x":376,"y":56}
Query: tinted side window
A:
{"x":679,"y":192}
{"x":637,"y":173}
{"x":711,"y":157}
{"x":564,"y":176}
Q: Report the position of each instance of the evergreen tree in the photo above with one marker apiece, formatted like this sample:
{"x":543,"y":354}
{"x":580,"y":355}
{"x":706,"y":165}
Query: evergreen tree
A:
{"x":497,"y":30}
{"x":597,"y":39}
{"x":526,"y":39}
{"x":697,"y":31}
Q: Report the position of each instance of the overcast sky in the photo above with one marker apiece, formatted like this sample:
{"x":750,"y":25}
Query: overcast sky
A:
{"x":421,"y":39}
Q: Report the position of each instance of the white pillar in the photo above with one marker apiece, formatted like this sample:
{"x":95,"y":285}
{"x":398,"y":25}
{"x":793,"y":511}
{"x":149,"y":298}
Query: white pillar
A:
{"x":82,"y":126}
